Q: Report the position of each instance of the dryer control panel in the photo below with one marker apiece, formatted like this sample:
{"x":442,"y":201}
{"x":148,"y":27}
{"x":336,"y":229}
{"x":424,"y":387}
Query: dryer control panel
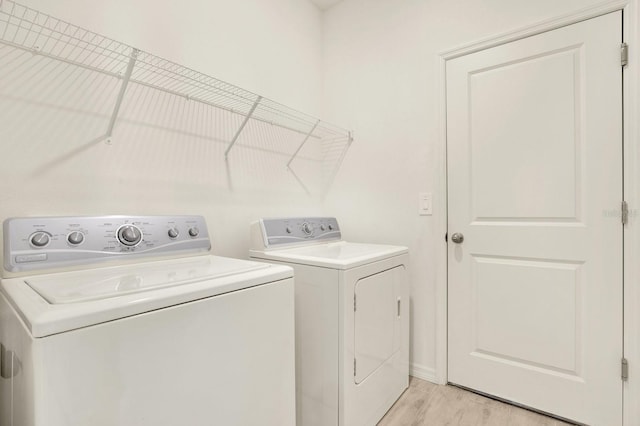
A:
{"x":49,"y":242}
{"x":276,"y":232}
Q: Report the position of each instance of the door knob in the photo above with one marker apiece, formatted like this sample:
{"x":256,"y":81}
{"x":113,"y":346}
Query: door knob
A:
{"x":457,"y":238}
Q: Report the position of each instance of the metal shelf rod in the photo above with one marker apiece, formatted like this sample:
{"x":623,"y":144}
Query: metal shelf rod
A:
{"x":58,"y":58}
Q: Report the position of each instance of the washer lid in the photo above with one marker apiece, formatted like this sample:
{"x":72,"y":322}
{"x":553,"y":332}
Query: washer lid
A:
{"x":338,"y":255}
{"x":113,"y":282}
{"x":56,"y":303}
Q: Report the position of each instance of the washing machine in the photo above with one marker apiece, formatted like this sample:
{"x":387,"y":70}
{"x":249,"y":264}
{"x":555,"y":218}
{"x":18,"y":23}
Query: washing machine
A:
{"x":352,"y":319}
{"x":130,"y":321}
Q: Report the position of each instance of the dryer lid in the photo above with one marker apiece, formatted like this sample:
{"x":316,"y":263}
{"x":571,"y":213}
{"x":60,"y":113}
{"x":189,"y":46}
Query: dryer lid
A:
{"x":113,"y":282}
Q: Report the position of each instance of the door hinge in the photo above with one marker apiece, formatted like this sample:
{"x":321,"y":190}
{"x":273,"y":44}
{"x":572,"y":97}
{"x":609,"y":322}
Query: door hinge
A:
{"x":625,"y":213}
{"x":354,"y":367}
{"x":624,"y":54}
{"x":624,"y":370}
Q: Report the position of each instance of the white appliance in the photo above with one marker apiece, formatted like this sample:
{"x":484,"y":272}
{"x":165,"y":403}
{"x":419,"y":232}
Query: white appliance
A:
{"x":352,"y":319}
{"x":140,"y":326}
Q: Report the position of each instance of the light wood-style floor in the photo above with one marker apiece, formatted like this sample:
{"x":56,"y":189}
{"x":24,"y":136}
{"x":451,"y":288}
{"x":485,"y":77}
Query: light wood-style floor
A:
{"x":425,"y":403}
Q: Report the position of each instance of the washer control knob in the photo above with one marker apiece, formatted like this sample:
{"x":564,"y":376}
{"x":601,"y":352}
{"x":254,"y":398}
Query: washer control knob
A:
{"x":289,"y":230}
{"x":194,"y":231}
{"x":173,"y":233}
{"x":75,"y":238}
{"x":330,"y":227}
{"x":39,"y":239}
{"x":322,"y":227}
{"x":307,"y":229}
{"x":129,"y":235}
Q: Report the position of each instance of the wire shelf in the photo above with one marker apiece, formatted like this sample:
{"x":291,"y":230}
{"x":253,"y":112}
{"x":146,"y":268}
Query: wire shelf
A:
{"x":28,"y":30}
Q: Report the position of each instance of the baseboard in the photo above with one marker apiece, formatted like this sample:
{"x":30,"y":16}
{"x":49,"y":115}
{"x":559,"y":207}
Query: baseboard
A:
{"x":422,"y":372}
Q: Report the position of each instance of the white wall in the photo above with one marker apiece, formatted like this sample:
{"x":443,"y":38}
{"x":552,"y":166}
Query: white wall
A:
{"x":50,"y":166}
{"x":380,"y":79}
{"x":372,"y":61}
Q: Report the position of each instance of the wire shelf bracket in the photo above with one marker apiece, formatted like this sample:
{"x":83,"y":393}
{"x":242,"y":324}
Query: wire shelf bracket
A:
{"x":306,"y":138}
{"x":244,"y":123}
{"x":343,"y":154}
{"x":123,"y":88}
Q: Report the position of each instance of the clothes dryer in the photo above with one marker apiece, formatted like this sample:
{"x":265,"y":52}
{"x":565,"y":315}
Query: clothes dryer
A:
{"x":352,"y":319}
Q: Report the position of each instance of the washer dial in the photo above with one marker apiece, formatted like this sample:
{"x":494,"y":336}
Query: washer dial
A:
{"x":75,"y":238}
{"x":173,"y":233}
{"x":40,"y":239}
{"x":129,"y":235}
{"x":307,"y":228}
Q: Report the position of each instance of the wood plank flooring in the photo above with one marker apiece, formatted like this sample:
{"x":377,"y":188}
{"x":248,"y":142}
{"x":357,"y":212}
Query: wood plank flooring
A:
{"x":425,"y":403}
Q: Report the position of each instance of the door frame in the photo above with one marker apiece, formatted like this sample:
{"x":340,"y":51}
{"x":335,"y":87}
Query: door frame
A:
{"x":631,"y":182}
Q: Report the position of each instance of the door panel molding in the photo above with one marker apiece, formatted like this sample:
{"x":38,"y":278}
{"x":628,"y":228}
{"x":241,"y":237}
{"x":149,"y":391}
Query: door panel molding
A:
{"x":537,"y":28}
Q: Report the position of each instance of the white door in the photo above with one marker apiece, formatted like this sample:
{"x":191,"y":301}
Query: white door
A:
{"x":534,"y":133}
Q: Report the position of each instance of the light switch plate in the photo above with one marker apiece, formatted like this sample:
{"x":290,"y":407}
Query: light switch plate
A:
{"x":425,"y":203}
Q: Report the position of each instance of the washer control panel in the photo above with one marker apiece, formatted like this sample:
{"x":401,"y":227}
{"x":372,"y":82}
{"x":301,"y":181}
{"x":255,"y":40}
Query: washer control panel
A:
{"x":299,"y":229}
{"x":49,"y":242}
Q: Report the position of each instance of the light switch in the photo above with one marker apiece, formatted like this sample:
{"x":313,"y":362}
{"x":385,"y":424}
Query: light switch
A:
{"x":425,"y":204}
